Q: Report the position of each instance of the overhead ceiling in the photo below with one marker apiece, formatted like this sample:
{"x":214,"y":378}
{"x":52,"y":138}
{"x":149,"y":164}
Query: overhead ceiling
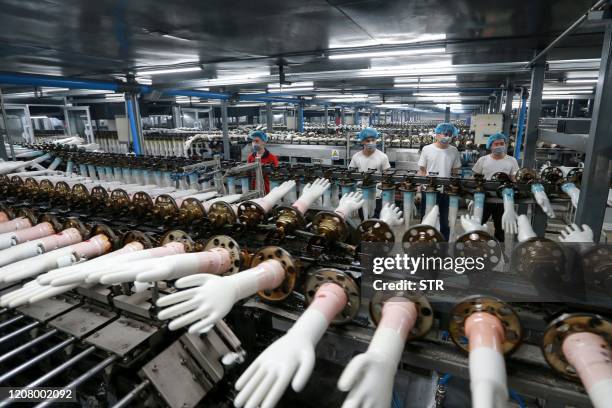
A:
{"x":103,"y":38}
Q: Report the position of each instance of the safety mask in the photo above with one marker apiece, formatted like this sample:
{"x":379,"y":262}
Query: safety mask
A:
{"x":256,"y":148}
{"x":445,"y":139}
{"x":370,"y":146}
{"x":499,"y":150}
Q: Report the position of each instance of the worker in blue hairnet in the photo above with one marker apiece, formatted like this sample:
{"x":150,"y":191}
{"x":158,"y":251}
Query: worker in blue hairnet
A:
{"x":496,"y":162}
{"x":369,"y":157}
{"x":258,"y":140}
{"x":441,"y":159}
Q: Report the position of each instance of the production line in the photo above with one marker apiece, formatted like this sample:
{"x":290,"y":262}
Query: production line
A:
{"x":98,"y":285}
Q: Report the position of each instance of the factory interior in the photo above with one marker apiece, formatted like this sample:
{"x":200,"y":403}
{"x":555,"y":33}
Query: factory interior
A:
{"x":347,"y":203}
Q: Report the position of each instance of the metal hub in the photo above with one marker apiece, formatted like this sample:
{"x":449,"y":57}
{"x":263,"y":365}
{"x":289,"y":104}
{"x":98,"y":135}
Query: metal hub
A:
{"x":99,"y":196}
{"x":422,"y":239}
{"x":288,"y":219}
{"x":51,"y":219}
{"x":479,"y":244}
{"x":73,"y":222}
{"x":138,"y":236}
{"x":540,"y":256}
{"x":378,"y":231}
{"x":513,"y":331}
{"x":330,"y":225}
{"x":553,"y":175}
{"x":225,"y":242}
{"x":597,"y":267}
{"x":425,"y":313}
{"x":336,"y":276}
{"x":250,"y":213}
{"x":560,"y":328}
{"x":191,"y":211}
{"x":79,"y":194}
{"x":526,"y":175}
{"x":110,"y":234}
{"x":178,"y":236}
{"x":290,"y":265}
{"x":221,"y":213}
{"x":119,"y":200}
{"x":142,"y":204}
{"x":165,"y":206}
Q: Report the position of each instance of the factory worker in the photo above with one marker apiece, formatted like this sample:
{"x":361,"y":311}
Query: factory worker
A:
{"x":369,"y":157}
{"x":497,"y":161}
{"x":258,"y":140}
{"x":441,"y":159}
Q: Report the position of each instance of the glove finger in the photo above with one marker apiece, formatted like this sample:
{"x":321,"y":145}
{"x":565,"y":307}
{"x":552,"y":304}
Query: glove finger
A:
{"x":249,"y":387}
{"x":177,"y":297}
{"x":305,"y":367}
{"x":186,"y":319}
{"x":178,"y":309}
{"x":246,"y":375}
{"x":197,"y":279}
{"x":262,"y":390}
{"x":352,"y":372}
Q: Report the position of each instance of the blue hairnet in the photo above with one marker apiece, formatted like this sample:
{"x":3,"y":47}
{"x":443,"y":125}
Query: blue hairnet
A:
{"x":366,"y":133}
{"x":494,"y":137}
{"x":258,"y":133}
{"x":446,"y":129}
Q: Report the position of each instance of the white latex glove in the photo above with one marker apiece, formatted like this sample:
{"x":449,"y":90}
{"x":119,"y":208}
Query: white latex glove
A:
{"x":542,"y":199}
{"x":11,"y":166}
{"x":573,"y":233}
{"x":432,"y":218}
{"x":349,"y":203}
{"x":58,"y":258}
{"x":509,"y":218}
{"x":470,"y":224}
{"x":310,"y":193}
{"x":573,"y":192}
{"x":453,"y":209}
{"x":215,"y":261}
{"x":368,"y":378}
{"x":278,"y":192}
{"x":478,"y":206}
{"x":108,"y":266}
{"x":470,"y":205}
{"x":391,"y":214}
{"x":32,"y":292}
{"x":290,"y":357}
{"x":610,"y":198}
{"x":214,"y":296}
{"x":525,"y":230}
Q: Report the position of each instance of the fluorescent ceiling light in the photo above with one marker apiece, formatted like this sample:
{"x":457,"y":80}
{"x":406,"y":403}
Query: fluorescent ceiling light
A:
{"x":391,"y":53}
{"x":39,"y":117}
{"x":566,"y":92}
{"x":272,"y":90}
{"x":53,"y":90}
{"x":427,"y":86}
{"x":306,"y":84}
{"x":203,"y":89}
{"x":581,"y":81}
{"x":568,"y":88}
{"x":437,"y":94}
{"x":427,"y":79}
{"x":168,"y":71}
{"x":144,"y":81}
{"x":251,"y":78}
{"x":344,"y":96}
{"x":582,"y":74}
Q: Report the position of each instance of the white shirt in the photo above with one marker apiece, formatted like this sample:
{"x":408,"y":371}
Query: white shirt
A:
{"x":488,"y":166}
{"x":440,"y":161}
{"x":377,"y":160}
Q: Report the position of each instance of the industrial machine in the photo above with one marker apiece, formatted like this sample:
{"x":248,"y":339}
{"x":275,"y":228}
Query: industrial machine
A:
{"x":158,"y":281}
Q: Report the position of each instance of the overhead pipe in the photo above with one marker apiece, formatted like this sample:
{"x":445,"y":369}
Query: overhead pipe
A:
{"x":568,"y":31}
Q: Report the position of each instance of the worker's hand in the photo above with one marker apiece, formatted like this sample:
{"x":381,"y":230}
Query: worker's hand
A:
{"x":573,"y":233}
{"x":289,"y":359}
{"x":311,"y":193}
{"x":509,"y":218}
{"x":542,"y":199}
{"x":470,"y":224}
{"x":349,"y":203}
{"x":525,"y":230}
{"x":368,"y":379}
{"x":573,"y":192}
{"x":391,"y":214}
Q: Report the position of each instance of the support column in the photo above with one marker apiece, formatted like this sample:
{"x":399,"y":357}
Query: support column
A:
{"x":133,"y":116}
{"x":3,"y":154}
{"x":447,"y":114}
{"x":226,"y":142}
{"x":557,"y":109}
{"x":342,"y":122}
{"x":211,"y":118}
{"x":326,"y":116}
{"x":176,"y":116}
{"x":508,"y":108}
{"x":534,"y":113}
{"x":570,"y":108}
{"x":269,"y":117}
{"x":300,"y":117}
{"x":598,"y":166}
{"x":356,"y":116}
